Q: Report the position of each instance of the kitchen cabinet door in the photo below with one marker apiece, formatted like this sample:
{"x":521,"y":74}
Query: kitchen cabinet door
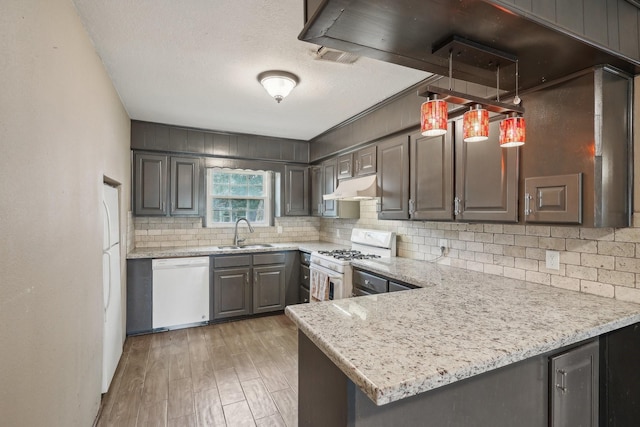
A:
{"x":185,"y":186}
{"x":486,"y":178}
{"x":139,"y":300}
{"x":316,"y":190}
{"x":393,"y":178}
{"x":330,"y":181}
{"x":150,"y":184}
{"x":345,"y":166}
{"x":574,"y":387}
{"x":231,"y":292}
{"x":296,"y":190}
{"x":431,"y":176}
{"x":268,"y":288}
{"x":365,"y":161}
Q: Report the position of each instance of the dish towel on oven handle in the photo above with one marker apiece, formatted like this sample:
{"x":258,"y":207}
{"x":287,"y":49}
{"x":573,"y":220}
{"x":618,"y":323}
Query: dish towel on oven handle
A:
{"x":319,"y":286}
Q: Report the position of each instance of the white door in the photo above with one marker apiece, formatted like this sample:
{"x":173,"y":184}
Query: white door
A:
{"x":112,"y":291}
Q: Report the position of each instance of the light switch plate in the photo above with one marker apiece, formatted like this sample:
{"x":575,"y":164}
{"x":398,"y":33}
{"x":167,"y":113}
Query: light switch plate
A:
{"x":553,"y":260}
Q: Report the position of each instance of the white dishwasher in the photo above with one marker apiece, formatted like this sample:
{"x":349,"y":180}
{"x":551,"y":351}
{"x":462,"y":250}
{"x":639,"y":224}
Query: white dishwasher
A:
{"x":180,"y":291}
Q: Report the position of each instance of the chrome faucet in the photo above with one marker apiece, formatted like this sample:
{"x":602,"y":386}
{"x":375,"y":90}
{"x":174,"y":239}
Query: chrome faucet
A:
{"x":236,"y":240}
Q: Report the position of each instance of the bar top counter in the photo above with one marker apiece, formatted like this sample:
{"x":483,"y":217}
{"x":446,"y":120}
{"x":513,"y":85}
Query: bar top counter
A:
{"x":458,"y":324}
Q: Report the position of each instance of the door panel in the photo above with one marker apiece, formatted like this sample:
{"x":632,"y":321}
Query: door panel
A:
{"x":393,"y":178}
{"x":329,"y":178}
{"x":185,"y":186}
{"x":486,"y":178}
{"x":268,"y":288}
{"x":150,"y":184}
{"x":231,"y":292}
{"x":365,"y":160}
{"x":432,"y":176}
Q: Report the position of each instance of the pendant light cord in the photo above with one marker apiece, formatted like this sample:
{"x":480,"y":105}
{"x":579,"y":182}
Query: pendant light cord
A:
{"x":450,"y":69}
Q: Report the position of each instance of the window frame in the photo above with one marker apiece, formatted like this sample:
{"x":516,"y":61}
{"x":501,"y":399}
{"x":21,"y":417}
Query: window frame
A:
{"x":267,"y":197}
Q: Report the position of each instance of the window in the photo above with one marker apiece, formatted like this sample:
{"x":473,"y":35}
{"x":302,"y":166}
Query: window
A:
{"x":238,"y":193}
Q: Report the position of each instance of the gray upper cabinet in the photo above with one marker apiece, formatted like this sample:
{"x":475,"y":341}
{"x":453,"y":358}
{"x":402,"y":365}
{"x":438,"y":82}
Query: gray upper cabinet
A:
{"x":330,"y":181}
{"x":486,"y":178}
{"x":150,"y":184}
{"x":296,"y":190}
{"x":393,"y":178}
{"x":553,"y":199}
{"x":431,"y":176}
{"x":316,"y":190}
{"x":365,"y":161}
{"x":345,"y":166}
{"x":154,"y":187}
{"x":185,"y":186}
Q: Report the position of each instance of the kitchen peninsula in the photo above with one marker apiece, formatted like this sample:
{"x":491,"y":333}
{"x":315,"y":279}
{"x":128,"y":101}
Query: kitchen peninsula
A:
{"x":466,"y":349}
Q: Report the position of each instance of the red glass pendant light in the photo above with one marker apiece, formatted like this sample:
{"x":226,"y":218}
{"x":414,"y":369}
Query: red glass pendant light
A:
{"x":433,"y":117}
{"x":512,"y":131}
{"x":475,"y":124}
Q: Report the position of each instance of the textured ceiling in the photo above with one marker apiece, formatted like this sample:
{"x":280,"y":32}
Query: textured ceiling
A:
{"x":194,"y":63}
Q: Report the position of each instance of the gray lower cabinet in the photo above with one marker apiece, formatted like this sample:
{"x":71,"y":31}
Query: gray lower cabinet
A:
{"x":393,"y":178}
{"x":139,"y":296}
{"x":159,"y":178}
{"x":231,"y":292}
{"x":268,"y":288}
{"x":574,"y":387}
{"x":246,"y":284}
{"x":486,"y":178}
{"x":296,"y":190}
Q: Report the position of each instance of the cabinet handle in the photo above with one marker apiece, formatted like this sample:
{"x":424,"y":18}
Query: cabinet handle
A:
{"x":412,"y":207}
{"x":527,"y":203}
{"x":255,"y":278}
{"x":366,"y":281}
{"x":378,"y":206}
{"x":246,"y":279}
{"x":456,"y":206}
{"x":562,"y":385}
{"x":306,"y":277}
{"x":288,"y":207}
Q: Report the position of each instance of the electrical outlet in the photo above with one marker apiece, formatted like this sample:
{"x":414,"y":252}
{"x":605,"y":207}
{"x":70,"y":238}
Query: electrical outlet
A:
{"x":553,"y":260}
{"x":443,"y":243}
{"x":279,"y":229}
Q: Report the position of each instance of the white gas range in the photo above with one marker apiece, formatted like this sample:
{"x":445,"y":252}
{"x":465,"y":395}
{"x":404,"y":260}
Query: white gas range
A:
{"x":331,"y":272}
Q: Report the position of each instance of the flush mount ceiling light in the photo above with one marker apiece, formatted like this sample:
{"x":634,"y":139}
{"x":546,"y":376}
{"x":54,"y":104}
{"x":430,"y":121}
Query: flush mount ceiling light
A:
{"x":476,"y":110}
{"x":278,"y":84}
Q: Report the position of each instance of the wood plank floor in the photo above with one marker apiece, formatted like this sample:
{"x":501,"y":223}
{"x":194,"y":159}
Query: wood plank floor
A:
{"x":242,"y":373}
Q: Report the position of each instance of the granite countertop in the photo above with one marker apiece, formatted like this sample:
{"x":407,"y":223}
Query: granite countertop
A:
{"x":215,"y":250}
{"x":460,"y":324}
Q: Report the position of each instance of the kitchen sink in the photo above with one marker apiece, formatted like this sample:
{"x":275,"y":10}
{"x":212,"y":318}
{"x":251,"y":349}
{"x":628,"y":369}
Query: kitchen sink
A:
{"x":256,"y":246}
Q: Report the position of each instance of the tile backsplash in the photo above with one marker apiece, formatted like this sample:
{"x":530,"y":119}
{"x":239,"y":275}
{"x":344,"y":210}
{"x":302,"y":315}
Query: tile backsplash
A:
{"x":161,"y":232}
{"x":601,"y":261}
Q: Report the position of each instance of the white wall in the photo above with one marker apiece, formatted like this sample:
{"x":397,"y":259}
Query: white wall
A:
{"x":62,"y":128}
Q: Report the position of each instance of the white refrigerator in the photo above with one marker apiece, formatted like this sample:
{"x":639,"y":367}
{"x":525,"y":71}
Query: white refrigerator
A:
{"x":112,"y":290}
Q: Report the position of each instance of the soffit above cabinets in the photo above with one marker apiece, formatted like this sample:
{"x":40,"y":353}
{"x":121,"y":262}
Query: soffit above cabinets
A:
{"x":410,"y":33}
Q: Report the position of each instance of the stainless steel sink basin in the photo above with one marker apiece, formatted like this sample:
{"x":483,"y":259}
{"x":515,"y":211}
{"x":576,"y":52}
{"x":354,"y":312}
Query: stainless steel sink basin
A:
{"x":256,"y":246}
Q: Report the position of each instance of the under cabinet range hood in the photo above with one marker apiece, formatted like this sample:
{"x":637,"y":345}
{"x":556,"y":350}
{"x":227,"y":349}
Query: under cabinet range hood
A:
{"x":364,"y":188}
